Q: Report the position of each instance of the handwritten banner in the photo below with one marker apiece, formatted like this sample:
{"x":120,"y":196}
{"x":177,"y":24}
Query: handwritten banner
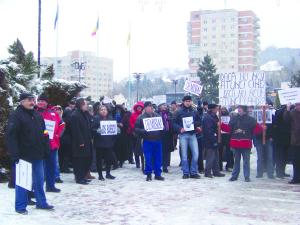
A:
{"x":108,"y":127}
{"x":291,"y":95}
{"x":153,"y":124}
{"x":50,"y":126}
{"x":192,"y":87}
{"x":242,"y":88}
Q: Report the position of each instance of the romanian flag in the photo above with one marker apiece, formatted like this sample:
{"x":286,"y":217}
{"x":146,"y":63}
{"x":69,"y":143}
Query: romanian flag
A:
{"x":96,"y":28}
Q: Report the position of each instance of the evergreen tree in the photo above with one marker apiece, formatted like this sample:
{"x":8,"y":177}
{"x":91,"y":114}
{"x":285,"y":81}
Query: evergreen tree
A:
{"x":49,"y":73}
{"x":209,"y":80}
{"x":17,"y":52}
{"x":295,"y":80}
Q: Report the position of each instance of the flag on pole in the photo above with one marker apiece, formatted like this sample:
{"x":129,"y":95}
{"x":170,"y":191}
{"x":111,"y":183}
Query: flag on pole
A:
{"x":128,"y":39}
{"x":96,"y":28}
{"x":56,"y":17}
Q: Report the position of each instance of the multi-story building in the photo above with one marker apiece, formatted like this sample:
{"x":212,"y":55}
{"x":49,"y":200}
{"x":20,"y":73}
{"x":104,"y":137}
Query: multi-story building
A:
{"x":95,"y":72}
{"x":230,"y":37}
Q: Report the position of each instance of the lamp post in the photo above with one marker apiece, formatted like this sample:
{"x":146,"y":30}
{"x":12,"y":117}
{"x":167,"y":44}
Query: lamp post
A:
{"x":79,"y":66}
{"x":175,"y":82}
{"x":138,"y":77}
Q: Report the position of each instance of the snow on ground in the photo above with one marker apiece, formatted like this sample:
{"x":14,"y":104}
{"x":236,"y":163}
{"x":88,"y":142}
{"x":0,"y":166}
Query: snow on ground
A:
{"x":130,"y":200}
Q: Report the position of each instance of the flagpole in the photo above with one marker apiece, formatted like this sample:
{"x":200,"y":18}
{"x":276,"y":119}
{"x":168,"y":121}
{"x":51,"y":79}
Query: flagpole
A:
{"x":129,"y":64}
{"x":98,"y":36}
{"x":56,"y":54}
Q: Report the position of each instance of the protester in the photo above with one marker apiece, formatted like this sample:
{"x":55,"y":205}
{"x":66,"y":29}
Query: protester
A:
{"x":127,"y":136}
{"x":104,"y":143}
{"x":152,"y":145}
{"x":186,"y":122}
{"x":199,"y":136}
{"x":242,"y":127}
{"x":81,"y":141}
{"x":292,"y":117}
{"x":167,"y":136}
{"x":27,"y":139}
{"x":210,"y":137}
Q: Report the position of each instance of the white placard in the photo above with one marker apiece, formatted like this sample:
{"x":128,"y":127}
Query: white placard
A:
{"x":225,"y":119}
{"x":258,"y":116}
{"x":24,"y":174}
{"x":153,"y":124}
{"x":108,"y":127}
{"x":50,"y":126}
{"x":192,"y":87}
{"x":188,"y":123}
{"x":159,"y":99}
{"x":242,"y":88}
{"x":291,"y":95}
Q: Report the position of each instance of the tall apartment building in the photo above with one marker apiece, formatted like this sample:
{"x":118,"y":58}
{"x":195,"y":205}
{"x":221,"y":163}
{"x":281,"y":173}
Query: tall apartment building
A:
{"x":96,"y":73}
{"x":230,"y":37}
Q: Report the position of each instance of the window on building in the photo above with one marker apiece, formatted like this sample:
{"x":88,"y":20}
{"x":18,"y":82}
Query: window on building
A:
{"x":205,"y":29}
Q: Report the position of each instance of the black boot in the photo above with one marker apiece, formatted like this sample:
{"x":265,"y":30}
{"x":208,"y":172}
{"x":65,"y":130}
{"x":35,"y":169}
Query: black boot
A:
{"x":109,"y":176}
{"x":149,"y":177}
{"x":101,"y":177}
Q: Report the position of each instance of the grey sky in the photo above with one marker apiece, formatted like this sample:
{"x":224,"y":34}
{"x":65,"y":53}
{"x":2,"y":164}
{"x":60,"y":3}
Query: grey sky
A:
{"x":158,"y":38}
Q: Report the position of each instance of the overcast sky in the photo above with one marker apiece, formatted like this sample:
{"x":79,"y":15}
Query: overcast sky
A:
{"x":158,"y":37}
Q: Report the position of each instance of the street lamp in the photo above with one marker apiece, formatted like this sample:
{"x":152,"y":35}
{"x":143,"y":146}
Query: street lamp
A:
{"x":175,"y":82}
{"x":138,"y":77}
{"x":79,"y":66}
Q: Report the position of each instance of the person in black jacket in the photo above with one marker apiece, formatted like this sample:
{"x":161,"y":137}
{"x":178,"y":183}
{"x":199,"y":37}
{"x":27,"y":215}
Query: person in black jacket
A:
{"x":104,"y":142}
{"x":152,"y":144}
{"x":27,"y":139}
{"x":210,"y":137}
{"x":81,"y":141}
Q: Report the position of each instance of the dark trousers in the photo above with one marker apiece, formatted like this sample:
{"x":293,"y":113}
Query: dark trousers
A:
{"x":107,"y":155}
{"x":167,"y":145}
{"x":200,"y":159}
{"x":81,"y":167}
{"x":281,"y":157}
{"x":212,"y":161}
{"x":296,"y":163}
{"x":153,"y":156}
{"x":64,"y":155}
{"x":38,"y":187}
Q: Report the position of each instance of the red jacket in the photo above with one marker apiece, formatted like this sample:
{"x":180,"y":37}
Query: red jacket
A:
{"x":54,"y":125}
{"x":134,"y":117}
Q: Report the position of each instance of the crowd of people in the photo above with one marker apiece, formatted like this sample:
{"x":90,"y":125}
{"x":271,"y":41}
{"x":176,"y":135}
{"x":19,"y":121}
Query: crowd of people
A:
{"x":56,"y":140}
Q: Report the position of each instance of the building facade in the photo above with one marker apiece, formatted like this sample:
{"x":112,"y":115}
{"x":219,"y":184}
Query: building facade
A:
{"x":230,"y":37}
{"x":95,"y":72}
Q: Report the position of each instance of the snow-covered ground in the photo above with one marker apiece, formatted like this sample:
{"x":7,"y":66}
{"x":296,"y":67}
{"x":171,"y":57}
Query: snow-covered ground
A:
{"x":131,"y":200}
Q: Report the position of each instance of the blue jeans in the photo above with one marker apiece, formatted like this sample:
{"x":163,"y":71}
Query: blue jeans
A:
{"x":38,"y":187}
{"x":57,"y":169}
{"x":238,"y":152}
{"x":189,"y":140}
{"x":50,"y":169}
{"x":153,"y":157}
{"x":265,"y":156}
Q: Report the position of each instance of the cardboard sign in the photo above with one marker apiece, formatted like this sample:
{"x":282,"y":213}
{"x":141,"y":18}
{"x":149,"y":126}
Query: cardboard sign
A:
{"x":188,"y":123}
{"x":108,"y":127}
{"x":258,"y":116}
{"x":291,"y":95}
{"x":225,"y":119}
{"x":192,"y":87}
{"x":159,"y":99}
{"x":50,"y":126}
{"x":243,"y":88}
{"x":153,"y":124}
{"x":24,"y":175}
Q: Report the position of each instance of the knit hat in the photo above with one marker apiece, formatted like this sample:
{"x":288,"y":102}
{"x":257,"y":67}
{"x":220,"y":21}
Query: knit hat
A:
{"x":148,"y":103}
{"x":244,"y":108}
{"x":43,"y":97}
{"x":173,"y":103}
{"x":212,"y":106}
{"x":187,"y":98}
{"x":25,"y":95}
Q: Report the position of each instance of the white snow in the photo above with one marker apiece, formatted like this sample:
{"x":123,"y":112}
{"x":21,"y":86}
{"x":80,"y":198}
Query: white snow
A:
{"x":130,"y":200}
{"x":271,"y":66}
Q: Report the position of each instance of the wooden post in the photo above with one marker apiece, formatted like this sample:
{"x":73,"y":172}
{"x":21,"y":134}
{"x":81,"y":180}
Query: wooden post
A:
{"x":219,"y":126}
{"x":264,"y":124}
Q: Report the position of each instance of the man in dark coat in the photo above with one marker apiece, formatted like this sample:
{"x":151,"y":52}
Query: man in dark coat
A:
{"x":210,"y":137}
{"x":81,"y":141}
{"x":27,"y":139}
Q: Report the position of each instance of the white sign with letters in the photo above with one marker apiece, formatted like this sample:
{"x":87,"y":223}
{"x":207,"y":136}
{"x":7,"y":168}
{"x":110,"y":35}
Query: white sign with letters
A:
{"x":225,"y":119}
{"x":24,"y":174}
{"x":50,"y":126}
{"x":291,"y":95}
{"x":192,"y":87}
{"x":188,"y":123}
{"x":153,"y":124}
{"x":108,"y":127}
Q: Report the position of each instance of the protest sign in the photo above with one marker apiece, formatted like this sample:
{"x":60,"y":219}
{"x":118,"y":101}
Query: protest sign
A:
{"x":24,"y":174}
{"x":188,"y":123}
{"x":242,"y":88}
{"x":258,"y":115}
{"x":192,"y":87}
{"x":291,"y":95}
{"x":50,"y":126}
{"x":108,"y":127}
{"x":153,"y":124}
{"x":159,"y":99}
{"x":225,"y":119}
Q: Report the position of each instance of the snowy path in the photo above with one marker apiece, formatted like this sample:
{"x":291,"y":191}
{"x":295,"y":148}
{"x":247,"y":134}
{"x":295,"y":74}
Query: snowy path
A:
{"x":131,"y":200}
